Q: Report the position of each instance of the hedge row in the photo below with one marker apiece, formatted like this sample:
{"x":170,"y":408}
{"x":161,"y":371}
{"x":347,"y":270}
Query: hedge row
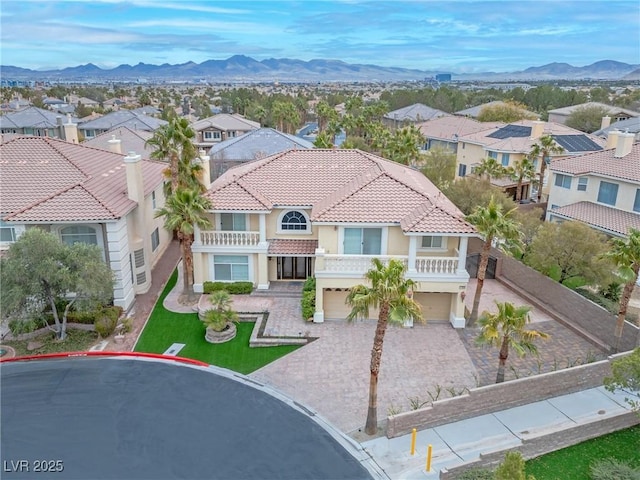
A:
{"x":234,"y":288}
{"x":309,"y":298}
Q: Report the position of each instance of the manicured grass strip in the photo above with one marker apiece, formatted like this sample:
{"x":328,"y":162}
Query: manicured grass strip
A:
{"x":573,"y":463}
{"x":165,"y":328}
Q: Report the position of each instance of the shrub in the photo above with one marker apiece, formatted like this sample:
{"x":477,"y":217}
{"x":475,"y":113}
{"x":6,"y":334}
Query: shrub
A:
{"x":309,"y":285}
{"x":308,"y":304}
{"x":612,"y":469}
{"x":612,"y":292}
{"x":512,"y":468}
{"x":105,"y":324}
{"x":20,"y":326}
{"x":234,"y":288}
{"x":477,"y":474}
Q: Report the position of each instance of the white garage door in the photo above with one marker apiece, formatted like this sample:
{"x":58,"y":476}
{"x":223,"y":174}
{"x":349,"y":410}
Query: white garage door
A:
{"x":335,"y":307}
{"x":435,"y":306}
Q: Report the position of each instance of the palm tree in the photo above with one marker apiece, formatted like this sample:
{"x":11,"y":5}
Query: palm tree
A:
{"x":625,"y":253}
{"x":522,"y":170}
{"x":392,"y":294}
{"x":492,"y":224}
{"x":221,"y":314}
{"x":506,"y":329}
{"x":183,"y":210}
{"x":490,"y":168}
{"x":543,"y":149}
{"x":174,"y":142}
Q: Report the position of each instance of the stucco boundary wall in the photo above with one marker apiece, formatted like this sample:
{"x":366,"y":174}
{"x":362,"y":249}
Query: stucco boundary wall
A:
{"x":501,"y":396}
{"x":570,"y":309}
{"x":548,"y":442}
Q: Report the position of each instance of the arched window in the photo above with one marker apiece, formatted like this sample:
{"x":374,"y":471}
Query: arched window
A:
{"x":294,"y":220}
{"x":78,"y":234}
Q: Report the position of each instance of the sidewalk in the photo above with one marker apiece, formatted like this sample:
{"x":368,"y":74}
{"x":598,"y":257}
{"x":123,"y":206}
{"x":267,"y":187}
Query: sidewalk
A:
{"x":460,"y":442}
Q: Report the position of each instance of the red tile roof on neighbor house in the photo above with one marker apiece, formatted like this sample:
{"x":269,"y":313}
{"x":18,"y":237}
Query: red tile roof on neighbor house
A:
{"x":602,"y":163}
{"x":44,"y":179}
{"x":611,"y":220}
{"x":339,"y":186}
{"x":282,"y":246}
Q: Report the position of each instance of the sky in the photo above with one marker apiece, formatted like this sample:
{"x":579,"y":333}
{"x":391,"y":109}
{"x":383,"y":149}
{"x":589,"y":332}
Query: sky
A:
{"x":457,"y":36}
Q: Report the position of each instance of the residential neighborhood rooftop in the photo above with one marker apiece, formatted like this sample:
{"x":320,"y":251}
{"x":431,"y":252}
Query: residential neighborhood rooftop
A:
{"x":417,"y":112}
{"x":257,"y":144}
{"x":603,"y":163}
{"x":611,"y":220}
{"x":130,"y":140}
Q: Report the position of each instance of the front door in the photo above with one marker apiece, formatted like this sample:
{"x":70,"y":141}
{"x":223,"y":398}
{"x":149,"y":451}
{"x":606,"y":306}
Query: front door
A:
{"x":294,"y":268}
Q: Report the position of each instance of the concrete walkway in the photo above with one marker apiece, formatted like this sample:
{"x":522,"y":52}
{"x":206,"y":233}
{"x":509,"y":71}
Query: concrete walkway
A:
{"x":460,"y":442}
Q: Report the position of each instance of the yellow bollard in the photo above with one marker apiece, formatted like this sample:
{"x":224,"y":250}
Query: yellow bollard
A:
{"x":429,"y":452}
{"x":413,"y":441}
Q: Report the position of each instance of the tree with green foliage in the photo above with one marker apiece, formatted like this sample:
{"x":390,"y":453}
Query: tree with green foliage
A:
{"x":625,"y":377}
{"x":512,"y":468}
{"x":587,"y":118}
{"x":529,"y":223}
{"x":522,"y":170}
{"x":493,"y":224}
{"x":286,"y":116}
{"x":506,"y":329}
{"x":222,"y":312}
{"x":570,"y":252}
{"x":470,"y":192}
{"x":439,"y":166}
{"x":402,"y":145}
{"x":39,"y":270}
{"x":185,"y":209}
{"x":392,"y":294}
{"x":625,"y":254}
{"x":543,"y":149}
{"x":506,"y":112}
{"x":490,"y":168}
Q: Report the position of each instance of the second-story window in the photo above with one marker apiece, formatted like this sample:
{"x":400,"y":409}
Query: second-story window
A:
{"x":432,"y":242}
{"x":582,"y":184}
{"x":294,"y":221}
{"x":505,"y":159}
{"x":233,"y":222}
{"x":563,"y":181}
{"x":636,"y":201}
{"x":608,"y":193}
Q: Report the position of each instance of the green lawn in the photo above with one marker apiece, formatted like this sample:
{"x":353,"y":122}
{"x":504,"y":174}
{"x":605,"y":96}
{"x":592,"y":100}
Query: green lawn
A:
{"x":165,"y":328}
{"x":572,"y":463}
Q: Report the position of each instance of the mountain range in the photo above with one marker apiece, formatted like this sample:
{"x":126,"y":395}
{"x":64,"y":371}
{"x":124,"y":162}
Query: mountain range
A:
{"x":240,"y":68}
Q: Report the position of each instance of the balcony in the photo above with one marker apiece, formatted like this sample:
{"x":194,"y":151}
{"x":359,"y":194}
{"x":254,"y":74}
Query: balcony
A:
{"x":222,"y":238}
{"x":359,"y":264}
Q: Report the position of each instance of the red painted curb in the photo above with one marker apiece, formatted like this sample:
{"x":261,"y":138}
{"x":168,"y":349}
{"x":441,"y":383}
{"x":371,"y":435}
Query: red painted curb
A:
{"x":105,"y":354}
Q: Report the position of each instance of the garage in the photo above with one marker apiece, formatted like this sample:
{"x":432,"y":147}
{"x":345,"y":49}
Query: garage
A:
{"x":435,"y":306}
{"x":335,"y":307}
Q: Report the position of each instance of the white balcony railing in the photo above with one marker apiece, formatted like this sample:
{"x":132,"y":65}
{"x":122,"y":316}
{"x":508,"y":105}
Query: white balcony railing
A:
{"x":359,"y":264}
{"x":222,"y":238}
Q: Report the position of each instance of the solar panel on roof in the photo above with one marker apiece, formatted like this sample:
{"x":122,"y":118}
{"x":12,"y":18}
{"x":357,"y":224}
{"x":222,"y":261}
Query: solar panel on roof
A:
{"x":576,"y":143}
{"x":509,"y":131}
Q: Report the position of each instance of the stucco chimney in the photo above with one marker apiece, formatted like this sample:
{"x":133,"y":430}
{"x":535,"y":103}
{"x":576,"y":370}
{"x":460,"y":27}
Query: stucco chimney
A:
{"x":206,"y":168}
{"x":135,"y":186}
{"x":115,"y":145}
{"x":612,"y":139}
{"x":606,"y":121}
{"x":70,"y":131}
{"x":537,"y":129}
{"x":625,"y":142}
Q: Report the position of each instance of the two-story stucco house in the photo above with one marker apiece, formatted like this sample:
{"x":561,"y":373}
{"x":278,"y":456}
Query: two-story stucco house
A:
{"x":89,"y":195}
{"x":212,"y":130}
{"x":601,"y":189}
{"x":327,"y":213}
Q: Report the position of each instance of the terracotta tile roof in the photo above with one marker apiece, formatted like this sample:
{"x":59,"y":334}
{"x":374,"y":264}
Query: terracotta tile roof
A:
{"x":43,"y":179}
{"x":612,"y":220}
{"x":602,"y":163}
{"x":426,"y":219}
{"x":281,"y":246}
{"x":451,"y":128}
{"x":338,"y":185}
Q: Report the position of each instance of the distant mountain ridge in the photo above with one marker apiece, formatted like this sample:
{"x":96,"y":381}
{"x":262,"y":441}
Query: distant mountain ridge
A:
{"x":243,"y":68}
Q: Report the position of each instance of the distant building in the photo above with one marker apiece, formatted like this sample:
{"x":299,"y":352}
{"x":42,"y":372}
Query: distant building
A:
{"x":443,"y":77}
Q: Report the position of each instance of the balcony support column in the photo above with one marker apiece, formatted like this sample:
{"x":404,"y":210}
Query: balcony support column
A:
{"x":413,"y":246}
{"x":462,"y":256}
{"x":197,"y":238}
{"x":262,"y":218}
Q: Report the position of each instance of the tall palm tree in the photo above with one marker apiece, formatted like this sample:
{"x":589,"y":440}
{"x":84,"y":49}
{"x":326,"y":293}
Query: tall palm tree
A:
{"x":522,"y":170}
{"x":392,"y":294}
{"x":492,"y":223}
{"x":490,"y":168}
{"x":506,"y":329}
{"x":543,"y":149}
{"x":183,"y":210}
{"x":174,"y":142}
{"x":625,"y":253}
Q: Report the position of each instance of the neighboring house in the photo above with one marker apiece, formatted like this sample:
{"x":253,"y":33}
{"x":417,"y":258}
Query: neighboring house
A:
{"x":121,"y":118}
{"x":616,"y":114}
{"x":601,"y":189}
{"x":253,"y":145}
{"x":122,"y":140}
{"x":473,"y":112}
{"x":88,"y":195}
{"x":87,"y":102}
{"x":327,"y":213}
{"x":415,"y":113}
{"x":511,"y":142}
{"x":631,"y":125}
{"x":36,"y":121}
{"x":147,"y":110}
{"x":218,"y":128}
{"x":443,"y":132}
{"x":53,"y":103}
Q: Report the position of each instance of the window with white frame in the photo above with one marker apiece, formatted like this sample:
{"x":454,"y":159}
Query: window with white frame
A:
{"x":563,"y":181}
{"x":462,"y":170}
{"x":362,"y":241}
{"x":432,"y":241}
{"x":636,"y":201}
{"x":79,"y":234}
{"x":155,"y":239}
{"x":505,"y":159}
{"x":211,"y":135}
{"x":231,"y":267}
{"x":233,"y":222}
{"x":294,"y":220}
{"x":153,"y":200}
{"x":491,"y":154}
{"x":608,"y":193}
{"x":582,"y":184}
{"x":7,"y":232}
